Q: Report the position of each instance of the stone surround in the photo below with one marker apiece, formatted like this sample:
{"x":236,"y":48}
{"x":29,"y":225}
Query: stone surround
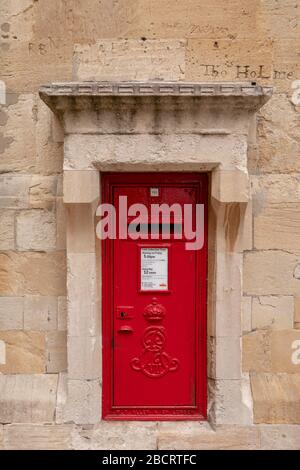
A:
{"x":157,"y":126}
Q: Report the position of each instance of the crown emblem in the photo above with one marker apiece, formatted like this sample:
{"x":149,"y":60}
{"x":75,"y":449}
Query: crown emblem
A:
{"x":154,"y":312}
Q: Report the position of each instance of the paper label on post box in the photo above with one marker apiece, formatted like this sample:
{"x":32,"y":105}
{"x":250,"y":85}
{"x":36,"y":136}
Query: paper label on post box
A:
{"x":154,"y":269}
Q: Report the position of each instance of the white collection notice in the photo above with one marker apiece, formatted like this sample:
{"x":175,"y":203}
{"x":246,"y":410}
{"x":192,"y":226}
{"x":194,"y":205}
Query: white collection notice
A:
{"x":154,"y":269}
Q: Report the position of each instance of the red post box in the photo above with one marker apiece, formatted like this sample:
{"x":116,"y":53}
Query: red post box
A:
{"x":154,"y":302}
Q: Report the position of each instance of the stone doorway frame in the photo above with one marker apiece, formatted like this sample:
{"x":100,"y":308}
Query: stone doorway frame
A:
{"x":157,"y":126}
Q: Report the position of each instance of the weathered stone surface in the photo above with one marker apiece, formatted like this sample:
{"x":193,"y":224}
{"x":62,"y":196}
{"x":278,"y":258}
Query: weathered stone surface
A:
{"x":84,"y":402}
{"x":11,"y":313}
{"x":272,"y":351}
{"x":37,"y":437}
{"x":229,"y":402}
{"x":32,"y":273}
{"x":62,"y":314}
{"x":276,"y":398}
{"x":207,"y":59}
{"x":132,"y":59}
{"x":83,"y":312}
{"x":257,"y":351}
{"x":274,"y":189}
{"x":278,"y":136}
{"x":278,"y":227}
{"x":1,"y":437}
{"x":81,"y":187}
{"x":285,"y":351}
{"x":226,"y":364}
{"x":273,"y":311}
{"x":61,"y":400}
{"x":123,"y":436}
{"x":81,"y":228}
{"x":297,"y":310}
{"x":25,"y":352}
{"x":56,"y":347}
{"x":27,"y":398}
{"x":18,"y":148}
{"x":194,"y":436}
{"x":165,"y":152}
{"x":281,"y":437}
{"x":36,"y":230}
{"x":7,"y":230}
{"x":84,"y":357}
{"x":49,"y":153}
{"x":61,"y":220}
{"x":40,"y":313}
{"x":14,"y":191}
{"x":270,"y":272}
{"x":42,"y":191}
{"x":246,"y":314}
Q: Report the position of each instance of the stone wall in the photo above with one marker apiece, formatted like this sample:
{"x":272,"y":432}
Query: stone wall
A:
{"x":65,"y":40}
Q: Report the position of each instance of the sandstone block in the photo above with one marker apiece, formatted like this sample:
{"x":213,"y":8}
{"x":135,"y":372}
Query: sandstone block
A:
{"x":56,"y":347}
{"x":276,"y":398}
{"x":36,"y":230}
{"x":25,"y":352}
{"x":132,"y":59}
{"x":273,"y":312}
{"x":270,"y":273}
{"x":278,"y":227}
{"x":42,"y":192}
{"x":84,"y":357}
{"x":224,"y":59}
{"x":81,"y":186}
{"x":11,"y":313}
{"x":165,"y":152}
{"x":81,"y":228}
{"x":7,"y":230}
{"x":32,"y":273}
{"x":62,"y":314}
{"x":84,"y":402}
{"x":37,"y":437}
{"x":224,"y":362}
{"x":27,"y":398}
{"x":40,"y":313}
{"x":62,"y":392}
{"x":122,"y":436}
{"x":229,"y":402}
{"x":297,"y":310}
{"x":199,"y":437}
{"x":18,"y":148}
{"x":257,"y":351}
{"x":280,"y":437}
{"x":14,"y":191}
{"x":285,"y":351}
{"x":274,"y":189}
{"x":246,"y":314}
{"x":61,"y":221}
{"x":83,"y":312}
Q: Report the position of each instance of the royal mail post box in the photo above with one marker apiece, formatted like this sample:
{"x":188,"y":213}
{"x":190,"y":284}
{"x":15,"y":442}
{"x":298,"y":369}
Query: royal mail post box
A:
{"x":154,"y":301}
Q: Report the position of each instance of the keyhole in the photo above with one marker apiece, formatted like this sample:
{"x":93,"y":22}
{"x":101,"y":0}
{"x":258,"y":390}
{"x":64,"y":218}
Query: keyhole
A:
{"x":123,"y":314}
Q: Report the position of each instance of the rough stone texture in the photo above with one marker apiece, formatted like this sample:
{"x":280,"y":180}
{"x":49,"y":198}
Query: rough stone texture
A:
{"x":130,"y":60}
{"x":196,"y":436}
{"x":36,"y":230}
{"x":56,"y":347}
{"x":84,"y":402}
{"x":32,"y":273}
{"x":11,"y":313}
{"x":246,"y":314}
{"x":271,"y":273}
{"x":282,"y":437}
{"x":7,"y":230}
{"x":27,"y":398}
{"x":272,"y":351}
{"x":62,"y":314}
{"x":25,"y":352}
{"x":276,"y":398}
{"x":278,"y":227}
{"x":40,"y":313}
{"x":37,"y":437}
{"x":273,"y":311}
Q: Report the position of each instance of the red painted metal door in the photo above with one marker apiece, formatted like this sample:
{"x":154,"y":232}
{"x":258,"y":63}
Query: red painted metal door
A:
{"x":154,"y":306}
